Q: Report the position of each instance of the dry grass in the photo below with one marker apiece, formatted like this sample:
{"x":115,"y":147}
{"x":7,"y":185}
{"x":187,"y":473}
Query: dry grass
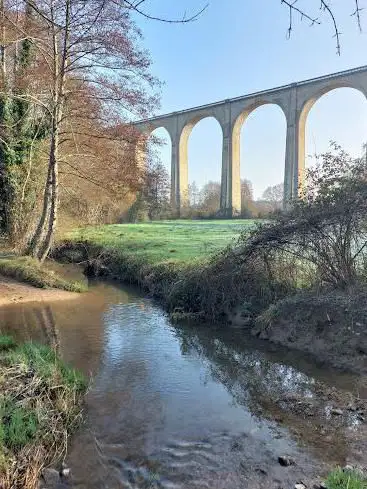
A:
{"x":40,"y":406}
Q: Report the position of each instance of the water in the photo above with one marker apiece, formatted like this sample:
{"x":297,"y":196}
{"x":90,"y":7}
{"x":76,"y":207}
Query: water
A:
{"x":190,"y":407}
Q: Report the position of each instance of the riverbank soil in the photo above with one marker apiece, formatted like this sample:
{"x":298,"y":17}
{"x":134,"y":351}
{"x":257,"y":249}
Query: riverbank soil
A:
{"x":332,"y":326}
{"x":12,"y":291}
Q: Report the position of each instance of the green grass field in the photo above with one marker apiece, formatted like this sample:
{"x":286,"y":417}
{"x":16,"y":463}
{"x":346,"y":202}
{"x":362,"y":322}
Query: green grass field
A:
{"x":166,"y":240}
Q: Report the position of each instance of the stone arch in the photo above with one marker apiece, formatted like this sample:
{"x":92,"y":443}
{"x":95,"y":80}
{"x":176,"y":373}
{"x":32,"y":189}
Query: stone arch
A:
{"x":236,"y":143}
{"x":304,"y":111}
{"x":186,"y":131}
{"x":241,"y":118}
{"x":141,"y":138}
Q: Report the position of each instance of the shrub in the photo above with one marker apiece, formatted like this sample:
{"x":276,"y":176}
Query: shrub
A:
{"x":325,"y":230}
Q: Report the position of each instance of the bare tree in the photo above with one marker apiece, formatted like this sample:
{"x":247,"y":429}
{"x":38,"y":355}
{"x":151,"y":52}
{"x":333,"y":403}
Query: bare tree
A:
{"x":194,"y":195}
{"x":156,"y":190}
{"x":274,"y":195}
{"x":326,"y":228}
{"x":210,"y":198}
{"x":247,"y":195}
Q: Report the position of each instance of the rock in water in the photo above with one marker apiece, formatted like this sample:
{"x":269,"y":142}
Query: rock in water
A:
{"x":51,"y":476}
{"x":286,"y":461}
{"x":337,"y":411}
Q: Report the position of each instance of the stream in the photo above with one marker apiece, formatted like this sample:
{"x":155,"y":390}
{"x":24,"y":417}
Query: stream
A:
{"x":192,"y":406}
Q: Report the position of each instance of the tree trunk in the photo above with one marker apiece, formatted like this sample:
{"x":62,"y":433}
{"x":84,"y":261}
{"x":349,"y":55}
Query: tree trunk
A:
{"x":53,"y":165}
{"x":60,"y":66}
{"x":36,"y":241}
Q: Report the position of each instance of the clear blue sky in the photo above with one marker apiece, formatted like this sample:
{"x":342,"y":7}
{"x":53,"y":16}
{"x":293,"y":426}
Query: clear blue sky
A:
{"x":240,"y":46}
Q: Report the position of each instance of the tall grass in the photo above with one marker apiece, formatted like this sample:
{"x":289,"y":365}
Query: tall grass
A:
{"x":40,"y":406}
{"x":346,"y":479}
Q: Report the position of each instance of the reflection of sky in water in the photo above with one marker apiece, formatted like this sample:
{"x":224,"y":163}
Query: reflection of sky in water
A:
{"x":196,"y":390}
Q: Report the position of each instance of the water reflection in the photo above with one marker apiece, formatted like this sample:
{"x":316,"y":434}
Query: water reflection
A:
{"x":187,"y":406}
{"x":273,"y":389}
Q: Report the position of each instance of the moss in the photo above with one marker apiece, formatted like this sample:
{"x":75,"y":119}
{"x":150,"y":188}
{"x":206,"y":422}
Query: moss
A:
{"x":28,"y":270}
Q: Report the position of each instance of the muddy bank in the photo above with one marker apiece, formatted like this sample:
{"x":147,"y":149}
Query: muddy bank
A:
{"x":13,"y":292}
{"x":332,"y":326}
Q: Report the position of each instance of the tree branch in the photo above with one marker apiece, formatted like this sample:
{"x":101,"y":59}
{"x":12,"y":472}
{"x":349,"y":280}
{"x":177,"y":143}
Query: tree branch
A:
{"x":324,"y":6}
{"x":136,"y":7}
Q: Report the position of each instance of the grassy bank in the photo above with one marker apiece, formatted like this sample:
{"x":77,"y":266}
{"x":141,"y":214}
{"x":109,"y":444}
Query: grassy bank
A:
{"x":40,"y":406}
{"x":182,"y":263}
{"x":30,"y":271}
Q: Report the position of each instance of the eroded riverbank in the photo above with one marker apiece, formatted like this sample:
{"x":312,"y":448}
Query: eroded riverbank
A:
{"x":12,"y":291}
{"x":177,"y":407}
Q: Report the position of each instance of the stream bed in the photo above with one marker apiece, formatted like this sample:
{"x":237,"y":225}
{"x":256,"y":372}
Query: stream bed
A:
{"x":192,"y":406}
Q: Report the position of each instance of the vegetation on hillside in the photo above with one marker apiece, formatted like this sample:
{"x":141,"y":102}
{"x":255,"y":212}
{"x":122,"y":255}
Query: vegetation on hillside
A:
{"x":40,"y":406}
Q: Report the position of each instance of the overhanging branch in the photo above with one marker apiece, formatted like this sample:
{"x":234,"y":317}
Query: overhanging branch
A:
{"x":293,"y":7}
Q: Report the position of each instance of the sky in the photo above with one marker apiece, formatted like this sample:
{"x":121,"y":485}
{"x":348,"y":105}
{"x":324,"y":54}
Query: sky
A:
{"x":238,"y":47}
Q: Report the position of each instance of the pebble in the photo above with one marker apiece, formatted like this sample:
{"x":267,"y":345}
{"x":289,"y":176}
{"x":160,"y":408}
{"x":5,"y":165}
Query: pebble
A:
{"x":300,"y":486}
{"x":337,"y":411}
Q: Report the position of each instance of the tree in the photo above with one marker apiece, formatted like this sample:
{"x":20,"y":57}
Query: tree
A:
{"x":194,"y":195}
{"x":325,"y":6}
{"x":22,"y":124}
{"x":91,"y":62}
{"x":325,"y":229}
{"x":210,"y":198}
{"x":156,"y":189}
{"x":89,"y":78}
{"x":247,"y":196}
{"x":274,"y":195}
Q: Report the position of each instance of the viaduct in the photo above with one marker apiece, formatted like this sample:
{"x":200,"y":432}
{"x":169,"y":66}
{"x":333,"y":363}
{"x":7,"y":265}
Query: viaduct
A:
{"x":296,"y":100}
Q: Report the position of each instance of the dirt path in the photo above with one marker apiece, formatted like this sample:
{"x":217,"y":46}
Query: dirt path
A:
{"x":12,"y":292}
